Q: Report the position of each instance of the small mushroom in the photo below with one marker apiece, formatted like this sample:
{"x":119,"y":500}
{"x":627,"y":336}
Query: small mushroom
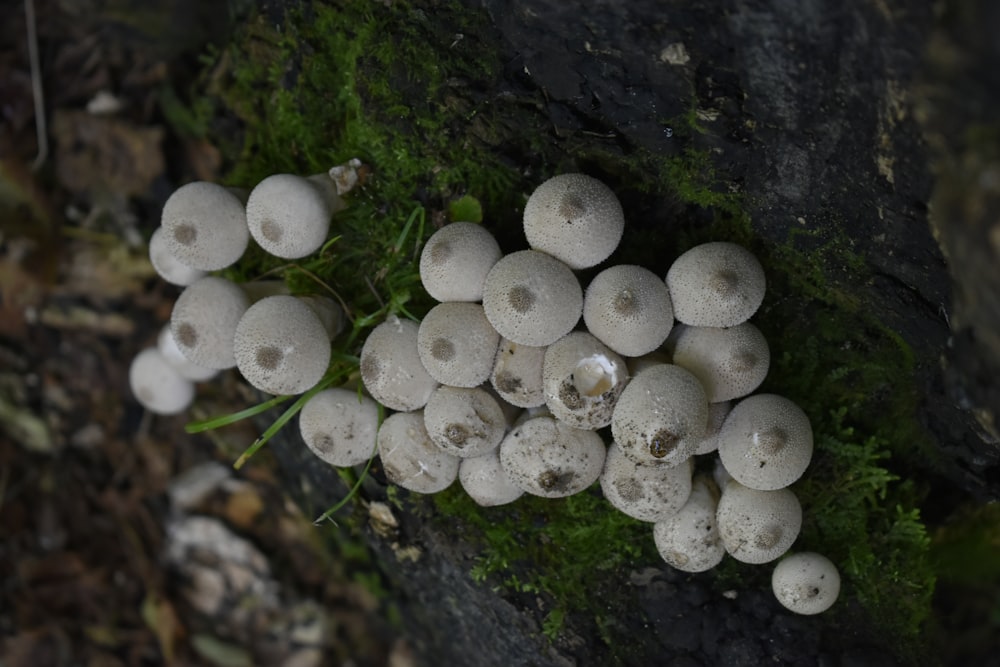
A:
{"x":806,"y":583}
{"x":167,"y":266}
{"x":731,"y":363}
{"x":455,"y":261}
{"x":689,"y":540}
{"x":517,"y":374}
{"x":547,"y":458}
{"x":157,"y":385}
{"x":757,"y":526}
{"x":457,"y":344}
{"x":628,"y":309}
{"x":391,"y":369}
{"x":410,"y":458}
{"x":645,"y":491}
{"x":289,"y":216}
{"x":582,"y":379}
{"x":339,"y":426}
{"x":575,"y":218}
{"x":329,"y":312}
{"x":485,"y":480}
{"x":205,"y":226}
{"x":204,"y":321}
{"x":716,"y":285}
{"x":717,"y":413}
{"x":167,"y":346}
{"x":464,"y":421}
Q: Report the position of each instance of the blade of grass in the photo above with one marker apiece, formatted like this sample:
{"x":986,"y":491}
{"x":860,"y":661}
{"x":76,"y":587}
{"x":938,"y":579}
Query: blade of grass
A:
{"x":225,"y":420}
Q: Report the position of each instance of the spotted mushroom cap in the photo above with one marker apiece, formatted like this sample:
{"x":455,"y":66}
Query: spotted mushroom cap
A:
{"x":204,"y":321}
{"x":157,"y":385}
{"x":628,"y":308}
{"x":806,"y":583}
{"x":485,"y":480}
{"x":455,"y":261}
{"x":167,"y":346}
{"x":716,"y":285}
{"x":689,"y":540}
{"x":574,"y":217}
{"x":391,"y":369}
{"x":167,"y":265}
{"x":339,"y":426}
{"x":731,"y":363}
{"x":582,"y":379}
{"x":517,"y":374}
{"x":531,"y":298}
{"x":289,"y":216}
{"x":545,"y":457}
{"x":758,"y":526}
{"x":717,"y":413}
{"x":410,"y":458}
{"x":766,"y":442}
{"x":457,"y":344}
{"x":205,"y":226}
{"x":464,"y":421}
{"x":644,"y":491}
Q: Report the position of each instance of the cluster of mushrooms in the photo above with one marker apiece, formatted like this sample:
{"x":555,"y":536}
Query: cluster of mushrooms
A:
{"x":497,"y":387}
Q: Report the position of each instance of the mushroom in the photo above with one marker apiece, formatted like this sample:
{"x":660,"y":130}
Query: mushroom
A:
{"x":645,"y":491}
{"x":339,"y":426}
{"x":731,"y":363}
{"x":547,"y":458}
{"x":205,"y":226}
{"x":757,"y":526}
{"x":766,"y":442}
{"x":689,"y":540}
{"x":289,"y":216}
{"x":329,"y":312}
{"x":717,"y":413}
{"x":531,"y":298}
{"x":716,"y":285}
{"x":457,"y":344}
{"x":517,"y":374}
{"x":167,"y":346}
{"x":575,"y":218}
{"x":582,"y":379}
{"x":455,"y":261}
{"x":806,"y":583}
{"x":661,"y":416}
{"x":167,"y":266}
{"x":628,"y":309}
{"x":157,"y":385}
{"x":485,"y":480}
{"x":464,"y":421}
{"x":204,"y":321}
{"x":391,"y":369}
{"x":410,"y":458}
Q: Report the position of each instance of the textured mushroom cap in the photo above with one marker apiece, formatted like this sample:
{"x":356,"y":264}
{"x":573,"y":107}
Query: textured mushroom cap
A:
{"x":574,"y":217}
{"x":328,"y":311}
{"x":288,"y":215}
{"x":716,"y":285}
{"x":486,"y":482}
{"x":281,"y":346}
{"x":517,"y":374}
{"x":157,"y":385}
{"x":731,"y":363}
{"x":339,"y":426}
{"x":757,"y":526}
{"x":628,"y":308}
{"x":205,"y":225}
{"x":766,"y":442}
{"x":167,"y":346}
{"x":410,"y":458}
{"x":806,"y":583}
{"x":644,"y":491}
{"x":391,"y":369}
{"x":457,"y":344}
{"x":545,"y":457}
{"x":455,"y":261}
{"x":531,"y":298}
{"x":204,"y":321}
{"x":661,"y":416}
{"x":582,"y":379}
{"x":464,"y":421}
{"x":167,"y":266}
{"x":690,"y":540}
{"x":717,"y":413}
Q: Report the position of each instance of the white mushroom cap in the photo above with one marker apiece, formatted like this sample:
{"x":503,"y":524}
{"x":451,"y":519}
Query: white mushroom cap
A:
{"x":758,"y":526}
{"x":628,"y":308}
{"x":716,"y":285}
{"x":205,"y":225}
{"x":582,"y":379}
{"x":517,"y":374}
{"x":547,"y":458}
{"x":167,"y":346}
{"x":806,"y":583}
{"x":410,"y":458}
{"x":644,"y":491}
{"x":661,"y":416}
{"x":339,"y":426}
{"x":204,"y":321}
{"x":281,"y":346}
{"x":638,"y":364}
{"x":289,"y":216}
{"x":464,"y":421}
{"x":575,"y":218}
{"x":455,"y":261}
{"x":157,"y":385}
{"x":531,"y":298}
{"x":328,"y":311}
{"x":731,"y":363}
{"x":766,"y":442}
{"x":457,"y":344}
{"x":391,"y":369}
{"x":717,"y":413}
{"x":167,"y":266}
{"x":486,"y":482}
{"x":690,"y":540}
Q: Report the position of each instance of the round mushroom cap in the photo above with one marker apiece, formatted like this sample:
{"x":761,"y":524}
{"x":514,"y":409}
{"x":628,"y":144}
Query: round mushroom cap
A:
{"x":628,"y":308}
{"x":717,"y":413}
{"x":288,"y":215}
{"x":485,"y":480}
{"x":157,"y":385}
{"x":582,"y":379}
{"x":167,"y":266}
{"x":716,"y":285}
{"x":806,"y":583}
{"x":457,"y":344}
{"x":766,"y":442}
{"x":758,"y":526}
{"x":645,"y":491}
{"x":391,"y":369}
{"x":328,"y":311}
{"x":205,"y":226}
{"x":281,"y":346}
{"x":204,"y":321}
{"x":455,"y":261}
{"x":410,"y":458}
{"x":531,"y":298}
{"x":517,"y":374}
{"x":575,"y":218}
{"x":689,"y":540}
{"x":731,"y":363}
{"x":464,"y":421}
{"x":339,"y":426}
{"x":661,"y":416}
{"x":167,"y":346}
{"x":547,"y":458}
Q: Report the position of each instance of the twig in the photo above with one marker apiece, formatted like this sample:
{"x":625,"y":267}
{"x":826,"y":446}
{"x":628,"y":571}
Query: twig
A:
{"x":36,"y":86}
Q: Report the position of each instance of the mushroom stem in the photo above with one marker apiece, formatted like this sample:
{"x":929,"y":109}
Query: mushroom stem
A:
{"x":328,"y":188}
